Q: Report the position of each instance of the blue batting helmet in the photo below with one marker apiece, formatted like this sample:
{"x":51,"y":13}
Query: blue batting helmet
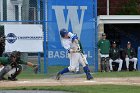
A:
{"x":63,"y":32}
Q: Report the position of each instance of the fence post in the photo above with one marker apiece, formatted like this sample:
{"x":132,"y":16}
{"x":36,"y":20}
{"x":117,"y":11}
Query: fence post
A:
{"x":96,"y":36}
{"x":44,"y":32}
{"x":39,"y":64}
{"x":38,"y":18}
{"x":138,"y":65}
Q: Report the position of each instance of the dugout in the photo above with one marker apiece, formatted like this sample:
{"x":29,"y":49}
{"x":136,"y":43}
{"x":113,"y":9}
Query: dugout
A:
{"x":121,"y":28}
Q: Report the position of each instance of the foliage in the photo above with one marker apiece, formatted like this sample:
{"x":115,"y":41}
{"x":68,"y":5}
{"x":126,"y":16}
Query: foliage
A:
{"x":130,"y":8}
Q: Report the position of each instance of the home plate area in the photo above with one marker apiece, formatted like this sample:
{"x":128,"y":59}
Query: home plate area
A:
{"x":67,"y":80}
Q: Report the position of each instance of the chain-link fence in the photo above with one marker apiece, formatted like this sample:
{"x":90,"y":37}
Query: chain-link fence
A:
{"x":32,"y":12}
{"x":22,"y":12}
{"x":27,"y":12}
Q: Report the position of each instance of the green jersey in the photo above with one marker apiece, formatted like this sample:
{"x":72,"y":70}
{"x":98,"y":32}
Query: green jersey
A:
{"x":6,"y":61}
{"x":104,"y":46}
{"x":130,"y":52}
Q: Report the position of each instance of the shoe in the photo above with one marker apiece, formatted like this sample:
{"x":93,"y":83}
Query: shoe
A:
{"x":12,"y":79}
{"x":3,"y":78}
{"x":119,"y":70}
{"x":111,"y":71}
{"x":89,"y":77}
{"x":58,"y":76}
{"x":103,"y":71}
{"x":0,"y":79}
{"x":135,"y":70}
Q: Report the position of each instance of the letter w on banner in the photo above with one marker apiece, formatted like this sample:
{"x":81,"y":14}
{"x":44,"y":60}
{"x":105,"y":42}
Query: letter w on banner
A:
{"x":77,"y":17}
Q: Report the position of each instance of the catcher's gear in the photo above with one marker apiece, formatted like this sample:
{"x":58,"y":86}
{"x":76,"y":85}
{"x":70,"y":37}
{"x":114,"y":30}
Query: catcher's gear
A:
{"x":16,"y":55}
{"x":12,"y":79}
{"x":14,"y":72}
{"x":4,"y":71}
{"x":35,"y":68}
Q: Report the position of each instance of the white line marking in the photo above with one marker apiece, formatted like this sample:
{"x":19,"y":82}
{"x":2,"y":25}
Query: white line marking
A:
{"x":24,"y":82}
{"x":90,"y":81}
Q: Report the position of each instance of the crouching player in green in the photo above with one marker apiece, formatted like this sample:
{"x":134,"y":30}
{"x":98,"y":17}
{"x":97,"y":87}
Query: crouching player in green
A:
{"x":12,"y":66}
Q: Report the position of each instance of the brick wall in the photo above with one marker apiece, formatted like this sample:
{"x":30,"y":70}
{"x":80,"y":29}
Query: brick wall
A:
{"x":115,"y":6}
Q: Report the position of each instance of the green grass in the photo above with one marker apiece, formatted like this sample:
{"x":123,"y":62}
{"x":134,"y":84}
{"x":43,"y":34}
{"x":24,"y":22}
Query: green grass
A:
{"x":117,"y":74}
{"x":28,"y":73}
{"x":86,"y":89}
{"x":52,"y":71}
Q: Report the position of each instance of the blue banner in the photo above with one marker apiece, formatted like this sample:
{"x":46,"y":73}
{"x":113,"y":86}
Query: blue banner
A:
{"x":138,"y":65}
{"x":78,"y":17}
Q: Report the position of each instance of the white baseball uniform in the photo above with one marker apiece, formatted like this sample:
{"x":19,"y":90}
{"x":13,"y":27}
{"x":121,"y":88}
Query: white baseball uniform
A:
{"x":135,"y":60}
{"x":75,"y":57}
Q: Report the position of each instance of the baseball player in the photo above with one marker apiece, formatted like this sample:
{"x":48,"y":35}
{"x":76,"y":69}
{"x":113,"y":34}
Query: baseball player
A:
{"x":114,"y":55}
{"x":71,"y":44}
{"x":130,"y":56}
{"x":11,"y":66}
{"x":104,"y":46}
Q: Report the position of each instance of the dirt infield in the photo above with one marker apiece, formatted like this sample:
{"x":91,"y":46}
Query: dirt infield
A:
{"x":71,"y":81}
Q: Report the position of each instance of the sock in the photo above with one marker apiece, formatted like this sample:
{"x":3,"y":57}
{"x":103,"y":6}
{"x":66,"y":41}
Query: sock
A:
{"x":85,"y":69}
{"x":65,"y":70}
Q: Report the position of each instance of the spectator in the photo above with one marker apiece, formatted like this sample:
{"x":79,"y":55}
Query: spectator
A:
{"x":104,"y":46}
{"x":114,"y":55}
{"x":130,"y":55}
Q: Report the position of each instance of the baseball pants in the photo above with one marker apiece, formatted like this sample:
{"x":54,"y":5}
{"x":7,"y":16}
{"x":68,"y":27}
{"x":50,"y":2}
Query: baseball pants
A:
{"x":120,"y":61}
{"x":133,"y":60}
{"x":75,"y":60}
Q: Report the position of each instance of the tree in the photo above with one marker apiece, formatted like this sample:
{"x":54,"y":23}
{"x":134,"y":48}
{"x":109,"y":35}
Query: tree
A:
{"x":130,"y":8}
